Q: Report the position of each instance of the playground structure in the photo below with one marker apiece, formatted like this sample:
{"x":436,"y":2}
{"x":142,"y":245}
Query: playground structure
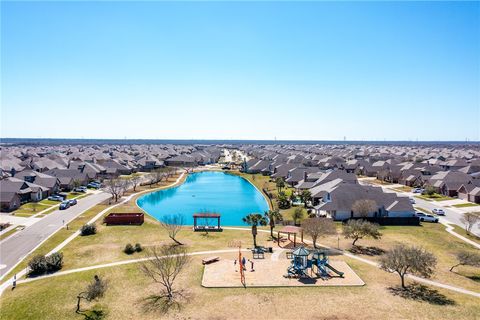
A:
{"x":318,"y":264}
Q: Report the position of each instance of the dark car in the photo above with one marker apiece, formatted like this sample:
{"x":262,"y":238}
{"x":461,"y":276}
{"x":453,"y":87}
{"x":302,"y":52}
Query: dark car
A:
{"x":72,"y":202}
{"x":64,"y":205}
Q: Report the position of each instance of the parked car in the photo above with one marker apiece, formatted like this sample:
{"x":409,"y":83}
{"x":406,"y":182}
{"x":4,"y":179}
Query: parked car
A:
{"x":412,"y":201}
{"x":72,"y":202}
{"x":438,"y":211}
{"x":417,"y":190}
{"x":94,"y":185}
{"x":55,"y":198}
{"x":426,"y":217}
{"x":80,"y":189}
{"x":64,"y":205}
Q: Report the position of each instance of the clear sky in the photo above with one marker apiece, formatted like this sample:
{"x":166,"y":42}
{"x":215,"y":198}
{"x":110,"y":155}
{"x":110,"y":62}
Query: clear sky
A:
{"x":223,"y":70}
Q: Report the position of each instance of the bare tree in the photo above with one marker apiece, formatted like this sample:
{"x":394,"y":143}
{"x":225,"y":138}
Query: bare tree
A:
{"x":94,"y":291}
{"x":364,"y":207}
{"x":136,"y":179}
{"x":402,"y":260}
{"x":470,"y":219}
{"x":173,"y":224}
{"x":163,"y":265}
{"x":114,"y":187}
{"x":159,"y":175}
{"x":359,"y":229}
{"x":318,"y":227}
{"x":467,"y":259}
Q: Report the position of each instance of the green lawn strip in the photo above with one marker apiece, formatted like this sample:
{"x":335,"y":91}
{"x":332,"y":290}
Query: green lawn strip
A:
{"x":422,"y":210}
{"x":465,"y":205}
{"x":461,"y":231}
{"x":434,"y":197}
{"x":9,"y":233}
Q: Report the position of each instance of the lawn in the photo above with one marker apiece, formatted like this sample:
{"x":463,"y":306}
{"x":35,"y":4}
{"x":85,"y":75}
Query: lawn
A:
{"x":403,"y":189}
{"x":434,"y":197}
{"x":465,"y":205}
{"x":433,"y":237}
{"x":55,"y":298}
{"x":10,"y":232}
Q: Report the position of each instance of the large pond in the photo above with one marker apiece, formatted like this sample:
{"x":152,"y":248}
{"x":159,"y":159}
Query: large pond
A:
{"x":231,"y":196}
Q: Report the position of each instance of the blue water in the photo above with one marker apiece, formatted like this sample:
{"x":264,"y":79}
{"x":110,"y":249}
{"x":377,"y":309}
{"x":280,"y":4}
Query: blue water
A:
{"x":231,"y":196}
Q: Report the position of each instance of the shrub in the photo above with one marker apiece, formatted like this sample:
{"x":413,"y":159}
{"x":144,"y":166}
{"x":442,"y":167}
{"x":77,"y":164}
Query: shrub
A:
{"x":88,"y":229}
{"x":138,"y":247}
{"x":41,"y":264}
{"x":129,"y":249}
{"x":55,"y":261}
{"x":38,"y":265}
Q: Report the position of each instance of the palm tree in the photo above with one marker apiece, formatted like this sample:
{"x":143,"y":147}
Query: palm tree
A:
{"x":306,"y":195}
{"x":255,"y":219}
{"x":280,"y":184}
{"x":272,"y":215}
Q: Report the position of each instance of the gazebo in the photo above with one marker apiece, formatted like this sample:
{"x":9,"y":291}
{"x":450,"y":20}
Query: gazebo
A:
{"x":206,"y":226}
{"x":289,"y":230}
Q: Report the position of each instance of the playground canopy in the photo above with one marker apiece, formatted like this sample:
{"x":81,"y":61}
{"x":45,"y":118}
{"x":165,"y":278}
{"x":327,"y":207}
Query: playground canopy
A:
{"x":290,"y":230}
{"x":206,"y":226}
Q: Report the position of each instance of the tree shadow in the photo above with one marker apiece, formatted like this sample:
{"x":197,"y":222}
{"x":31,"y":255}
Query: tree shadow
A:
{"x":474,"y":278}
{"x":419,"y":292}
{"x":161,"y":304}
{"x":96,"y":313}
{"x":368,"y":251}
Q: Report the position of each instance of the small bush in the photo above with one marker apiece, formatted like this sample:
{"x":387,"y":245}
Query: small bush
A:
{"x":129,"y":249}
{"x":38,"y":265}
{"x":41,"y":264}
{"x":55,"y":261}
{"x":88,"y":229}
{"x":138,"y":247}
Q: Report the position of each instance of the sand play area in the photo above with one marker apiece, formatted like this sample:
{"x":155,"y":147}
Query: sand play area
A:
{"x":269,"y":272}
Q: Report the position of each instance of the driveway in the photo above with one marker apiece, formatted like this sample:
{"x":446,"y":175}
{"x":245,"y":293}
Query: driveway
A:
{"x":14,"y":249}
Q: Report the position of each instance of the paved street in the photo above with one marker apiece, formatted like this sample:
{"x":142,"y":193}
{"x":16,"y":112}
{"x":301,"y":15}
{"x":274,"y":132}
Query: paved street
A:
{"x":15,"y":248}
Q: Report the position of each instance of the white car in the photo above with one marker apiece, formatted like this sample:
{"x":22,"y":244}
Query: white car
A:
{"x":426,"y":217}
{"x":438,"y":212}
{"x":412,"y":201}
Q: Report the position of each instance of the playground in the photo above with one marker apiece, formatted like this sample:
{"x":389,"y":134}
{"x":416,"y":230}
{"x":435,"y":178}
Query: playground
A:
{"x":282,"y":268}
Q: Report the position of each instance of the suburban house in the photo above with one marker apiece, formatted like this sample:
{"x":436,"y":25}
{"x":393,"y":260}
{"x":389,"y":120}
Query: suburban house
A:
{"x":469,"y":192}
{"x":336,"y":200}
{"x":16,"y":191}
{"x":68,"y":178}
{"x":183,"y":160}
{"x":448,"y":182}
{"x":50,"y":182}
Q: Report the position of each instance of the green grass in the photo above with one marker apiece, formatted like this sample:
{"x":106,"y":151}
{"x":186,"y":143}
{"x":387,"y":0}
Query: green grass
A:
{"x":463,"y":232}
{"x":434,"y":197}
{"x":465,"y":205}
{"x":9,"y":233}
{"x":403,"y":189}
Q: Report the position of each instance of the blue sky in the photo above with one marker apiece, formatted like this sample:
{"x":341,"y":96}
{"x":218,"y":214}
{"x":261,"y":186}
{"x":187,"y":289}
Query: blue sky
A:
{"x":223,"y":70}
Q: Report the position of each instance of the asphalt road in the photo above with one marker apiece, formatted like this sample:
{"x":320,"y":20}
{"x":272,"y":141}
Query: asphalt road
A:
{"x":15,"y":248}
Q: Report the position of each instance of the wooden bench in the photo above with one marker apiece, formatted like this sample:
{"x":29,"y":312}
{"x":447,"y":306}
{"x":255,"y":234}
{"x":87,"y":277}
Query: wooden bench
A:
{"x":210,"y":260}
